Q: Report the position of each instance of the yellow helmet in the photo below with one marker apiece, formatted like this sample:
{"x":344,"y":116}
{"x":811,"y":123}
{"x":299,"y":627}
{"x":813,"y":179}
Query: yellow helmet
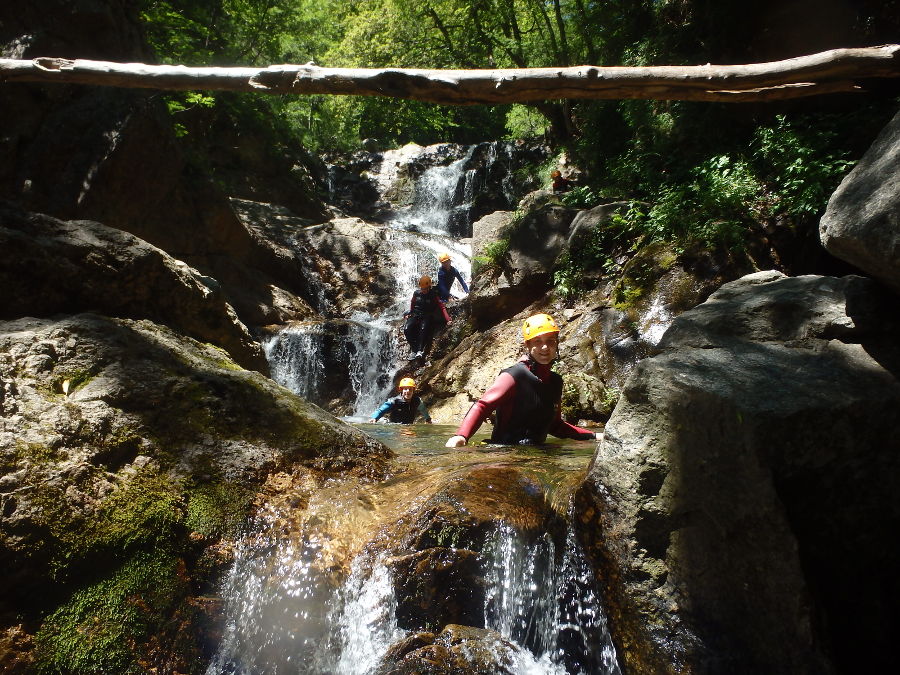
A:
{"x":539,"y":324}
{"x":443,"y":256}
{"x":425,"y":281}
{"x":407,"y":382}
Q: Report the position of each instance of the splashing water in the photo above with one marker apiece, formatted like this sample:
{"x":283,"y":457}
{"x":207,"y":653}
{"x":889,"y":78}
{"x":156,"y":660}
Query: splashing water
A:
{"x":305,"y":596}
{"x":543,"y":599}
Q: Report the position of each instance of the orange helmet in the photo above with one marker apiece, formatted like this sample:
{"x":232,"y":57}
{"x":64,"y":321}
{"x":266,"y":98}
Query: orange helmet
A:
{"x":443,"y":256}
{"x":425,"y":281}
{"x":406,"y":382}
{"x":539,"y":324}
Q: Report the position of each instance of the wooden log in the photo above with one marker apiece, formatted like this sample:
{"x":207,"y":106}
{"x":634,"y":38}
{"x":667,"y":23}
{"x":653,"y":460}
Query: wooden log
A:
{"x":834,"y":71}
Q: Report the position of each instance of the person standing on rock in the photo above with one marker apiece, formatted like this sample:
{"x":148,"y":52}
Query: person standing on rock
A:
{"x":447,"y":274}
{"x":527,"y":396}
{"x":424,"y":309}
{"x":403,"y":409}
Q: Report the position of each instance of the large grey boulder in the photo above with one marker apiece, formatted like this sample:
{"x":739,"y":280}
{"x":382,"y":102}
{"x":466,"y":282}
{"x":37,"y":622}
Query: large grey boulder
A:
{"x":52,"y":267}
{"x":862,"y":222}
{"x":131,"y":456}
{"x":742,"y":509}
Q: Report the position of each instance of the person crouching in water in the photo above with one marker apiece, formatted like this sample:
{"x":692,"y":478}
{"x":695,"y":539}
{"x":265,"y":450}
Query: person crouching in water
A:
{"x":527,"y":396}
{"x":403,"y":409}
{"x":424,"y":308}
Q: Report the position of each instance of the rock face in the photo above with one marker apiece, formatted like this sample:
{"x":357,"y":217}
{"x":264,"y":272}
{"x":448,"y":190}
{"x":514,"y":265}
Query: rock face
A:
{"x":742,"y":509}
{"x":56,"y":267}
{"x":862,"y":222}
{"x":112,"y":156}
{"x":130,"y":454}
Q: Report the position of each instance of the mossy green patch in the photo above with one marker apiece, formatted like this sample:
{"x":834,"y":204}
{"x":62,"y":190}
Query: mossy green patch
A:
{"x":217,"y":509}
{"x":147,"y":510}
{"x":105,"y":626}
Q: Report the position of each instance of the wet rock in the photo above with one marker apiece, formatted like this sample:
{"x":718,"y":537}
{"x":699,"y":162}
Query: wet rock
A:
{"x":740,"y":509}
{"x":438,"y":586}
{"x":862,"y":222}
{"x":456,"y":650}
{"x":54,"y":267}
{"x":435,"y":552}
{"x":132,"y":453}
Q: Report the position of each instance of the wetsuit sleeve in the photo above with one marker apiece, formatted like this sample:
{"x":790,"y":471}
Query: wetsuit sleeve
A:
{"x":443,"y":310}
{"x":381,"y":411}
{"x":504,"y":387}
{"x":423,"y":411}
{"x":562,"y":429}
{"x":463,"y":283}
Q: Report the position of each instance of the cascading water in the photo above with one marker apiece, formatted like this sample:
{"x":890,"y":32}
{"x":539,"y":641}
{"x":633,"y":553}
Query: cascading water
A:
{"x":311,"y":592}
{"x":543,"y":599}
{"x":365,"y":355}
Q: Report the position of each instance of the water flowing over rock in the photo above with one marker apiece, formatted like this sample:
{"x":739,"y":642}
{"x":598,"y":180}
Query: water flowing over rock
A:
{"x":862,"y":222}
{"x":742,"y":505}
{"x":129,"y":453}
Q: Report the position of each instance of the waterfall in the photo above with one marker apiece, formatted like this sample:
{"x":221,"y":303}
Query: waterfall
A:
{"x":543,"y":599}
{"x":431,"y":212}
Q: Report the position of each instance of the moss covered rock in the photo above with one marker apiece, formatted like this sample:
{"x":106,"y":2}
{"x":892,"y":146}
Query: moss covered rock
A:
{"x":130,"y":454}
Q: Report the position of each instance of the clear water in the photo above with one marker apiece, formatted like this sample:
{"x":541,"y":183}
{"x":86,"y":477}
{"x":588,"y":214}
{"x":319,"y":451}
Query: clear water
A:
{"x":305,"y":596}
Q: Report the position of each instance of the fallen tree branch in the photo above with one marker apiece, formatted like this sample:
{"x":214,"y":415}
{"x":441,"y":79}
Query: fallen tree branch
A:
{"x":835,"y":71}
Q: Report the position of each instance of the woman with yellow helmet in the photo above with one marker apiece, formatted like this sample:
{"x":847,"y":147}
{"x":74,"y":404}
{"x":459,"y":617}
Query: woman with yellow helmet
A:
{"x":526,"y":396}
{"x":403,"y":409}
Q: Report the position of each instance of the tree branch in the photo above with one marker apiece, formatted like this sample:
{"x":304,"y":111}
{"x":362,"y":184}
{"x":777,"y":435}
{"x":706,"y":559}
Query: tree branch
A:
{"x":838,"y":70}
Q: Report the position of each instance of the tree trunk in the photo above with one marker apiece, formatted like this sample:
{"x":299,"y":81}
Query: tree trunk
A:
{"x":838,"y":70}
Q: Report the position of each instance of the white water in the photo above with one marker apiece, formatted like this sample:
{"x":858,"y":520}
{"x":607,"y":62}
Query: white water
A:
{"x":416,"y":236}
{"x":298,"y":601}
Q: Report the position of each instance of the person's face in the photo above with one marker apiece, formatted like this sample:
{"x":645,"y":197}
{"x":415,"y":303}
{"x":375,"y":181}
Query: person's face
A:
{"x":543,"y":348}
{"x":407,"y":392}
{"x":445,"y":263}
{"x":425,"y":286}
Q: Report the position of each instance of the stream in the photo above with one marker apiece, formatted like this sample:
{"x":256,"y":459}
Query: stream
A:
{"x":311,"y":590}
{"x":332,"y":575}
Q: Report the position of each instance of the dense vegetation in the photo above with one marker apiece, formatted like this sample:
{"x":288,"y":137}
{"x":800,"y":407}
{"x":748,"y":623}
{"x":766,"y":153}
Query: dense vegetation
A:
{"x":702,"y":173}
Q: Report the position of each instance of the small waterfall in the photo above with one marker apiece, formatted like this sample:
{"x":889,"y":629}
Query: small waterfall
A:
{"x":323,"y":361}
{"x":543,"y":599}
{"x":311,"y":591}
{"x":296,"y":358}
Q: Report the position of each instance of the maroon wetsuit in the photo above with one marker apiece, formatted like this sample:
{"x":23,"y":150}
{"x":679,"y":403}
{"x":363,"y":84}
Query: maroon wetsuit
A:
{"x":526,"y":398}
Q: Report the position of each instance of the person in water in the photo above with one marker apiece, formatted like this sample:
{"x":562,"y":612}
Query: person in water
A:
{"x":403,"y":409}
{"x":526,"y":396}
{"x":424,"y":309}
{"x":448,"y":274}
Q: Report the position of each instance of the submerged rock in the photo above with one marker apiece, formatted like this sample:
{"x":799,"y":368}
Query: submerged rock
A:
{"x":456,"y":650}
{"x":743,"y":506}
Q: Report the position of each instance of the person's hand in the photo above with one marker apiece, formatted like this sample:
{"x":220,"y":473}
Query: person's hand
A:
{"x":455,"y":442}
{"x":449,"y":322}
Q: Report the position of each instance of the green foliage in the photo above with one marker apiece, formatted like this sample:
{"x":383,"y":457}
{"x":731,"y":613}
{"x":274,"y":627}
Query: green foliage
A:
{"x":804,"y":162}
{"x":495,"y":253}
{"x":581,"y":197}
{"x":525,"y":122}
{"x":598,"y":251}
{"x":99,"y":628}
